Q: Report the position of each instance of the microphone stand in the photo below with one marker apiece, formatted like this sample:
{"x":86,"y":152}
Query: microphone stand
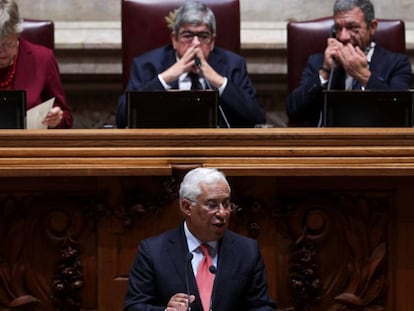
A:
{"x":188,"y":259}
{"x":198,"y":64}
{"x":213,"y":270}
{"x":333,"y":65}
{"x":322,"y":119}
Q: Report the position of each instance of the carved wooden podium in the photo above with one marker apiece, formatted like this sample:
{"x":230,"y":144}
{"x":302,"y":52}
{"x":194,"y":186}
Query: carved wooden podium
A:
{"x":331,"y":209}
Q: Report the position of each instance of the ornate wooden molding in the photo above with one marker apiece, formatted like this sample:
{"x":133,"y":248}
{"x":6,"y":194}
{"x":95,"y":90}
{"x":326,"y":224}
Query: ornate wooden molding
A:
{"x":139,"y":200}
{"x":338,"y":251}
{"x":43,"y":237}
{"x":264,"y":152}
{"x":301,"y":192}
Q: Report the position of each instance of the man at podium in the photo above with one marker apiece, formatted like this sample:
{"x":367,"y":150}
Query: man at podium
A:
{"x":352,"y":61}
{"x":199,"y":265}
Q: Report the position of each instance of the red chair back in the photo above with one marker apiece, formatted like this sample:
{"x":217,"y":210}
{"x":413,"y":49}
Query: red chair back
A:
{"x":39,"y":32}
{"x":144,"y":26}
{"x":308,"y":37}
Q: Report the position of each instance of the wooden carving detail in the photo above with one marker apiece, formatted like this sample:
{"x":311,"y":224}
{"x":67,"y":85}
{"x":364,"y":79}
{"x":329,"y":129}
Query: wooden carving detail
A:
{"x":150,"y":195}
{"x":338,"y":250}
{"x":14,"y":273}
{"x":249,"y":212}
{"x":68,"y":279}
{"x":42,"y":238}
{"x":144,"y":197}
{"x":252,"y":207}
{"x":304,"y":278}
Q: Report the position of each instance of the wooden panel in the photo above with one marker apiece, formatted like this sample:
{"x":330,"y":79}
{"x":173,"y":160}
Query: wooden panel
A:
{"x":74,"y":205}
{"x":282,"y":152}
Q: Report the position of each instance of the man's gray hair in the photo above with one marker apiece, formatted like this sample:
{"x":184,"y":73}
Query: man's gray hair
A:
{"x":194,"y":13}
{"x":190,"y":186}
{"x":366,"y":7}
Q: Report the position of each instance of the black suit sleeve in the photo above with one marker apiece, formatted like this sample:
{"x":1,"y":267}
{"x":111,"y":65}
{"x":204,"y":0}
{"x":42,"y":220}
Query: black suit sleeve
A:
{"x":304,"y":104}
{"x":238,"y":99}
{"x":258,"y":297}
{"x":141,"y":284}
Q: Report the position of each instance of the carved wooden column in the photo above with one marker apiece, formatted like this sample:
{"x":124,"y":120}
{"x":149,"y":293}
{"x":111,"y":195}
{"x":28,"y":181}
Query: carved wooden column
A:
{"x":47,"y":238}
{"x":338,"y":249}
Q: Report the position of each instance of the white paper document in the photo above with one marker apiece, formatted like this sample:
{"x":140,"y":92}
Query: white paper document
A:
{"x":37,"y":114}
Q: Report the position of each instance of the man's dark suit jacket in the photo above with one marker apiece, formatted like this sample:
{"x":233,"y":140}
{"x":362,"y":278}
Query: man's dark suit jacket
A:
{"x":159,"y":272}
{"x":238,"y":100}
{"x":389,"y":71}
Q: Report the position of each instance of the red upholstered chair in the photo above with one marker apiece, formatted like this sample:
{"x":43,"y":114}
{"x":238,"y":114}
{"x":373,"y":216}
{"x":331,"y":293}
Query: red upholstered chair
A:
{"x":308,"y":37}
{"x":144,"y":26}
{"x":39,"y":31}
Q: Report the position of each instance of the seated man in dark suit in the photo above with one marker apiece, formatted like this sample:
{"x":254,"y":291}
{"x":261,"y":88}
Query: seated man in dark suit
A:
{"x":168,"y":67}
{"x":359,"y":63}
{"x":199,"y":265}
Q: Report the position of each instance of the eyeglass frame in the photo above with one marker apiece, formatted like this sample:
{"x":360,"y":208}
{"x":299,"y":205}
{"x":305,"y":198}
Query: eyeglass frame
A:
{"x":204,"y":37}
{"x":212,"y":206}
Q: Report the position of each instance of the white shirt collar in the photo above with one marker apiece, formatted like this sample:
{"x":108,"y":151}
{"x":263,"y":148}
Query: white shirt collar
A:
{"x":193,"y":243}
{"x":370,"y":51}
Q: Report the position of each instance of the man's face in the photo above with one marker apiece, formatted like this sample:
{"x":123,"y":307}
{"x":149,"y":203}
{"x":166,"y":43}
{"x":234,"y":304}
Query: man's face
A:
{"x":205,"y":223}
{"x":351,"y":28}
{"x":191,"y":35}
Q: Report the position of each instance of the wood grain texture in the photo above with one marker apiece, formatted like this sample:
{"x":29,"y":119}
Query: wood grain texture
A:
{"x":330,"y":208}
{"x":283,"y":152}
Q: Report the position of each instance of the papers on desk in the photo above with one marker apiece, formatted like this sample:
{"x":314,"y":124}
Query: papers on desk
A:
{"x":37,"y":114}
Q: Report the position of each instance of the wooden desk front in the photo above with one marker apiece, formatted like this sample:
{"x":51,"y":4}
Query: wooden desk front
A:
{"x":331,"y":209}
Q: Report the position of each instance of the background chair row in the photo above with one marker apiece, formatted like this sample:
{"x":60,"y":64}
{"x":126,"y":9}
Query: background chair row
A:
{"x":144,"y":27}
{"x":39,"y":31}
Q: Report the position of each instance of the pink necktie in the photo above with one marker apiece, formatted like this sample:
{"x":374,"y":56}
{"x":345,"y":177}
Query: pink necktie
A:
{"x":204,"y":277}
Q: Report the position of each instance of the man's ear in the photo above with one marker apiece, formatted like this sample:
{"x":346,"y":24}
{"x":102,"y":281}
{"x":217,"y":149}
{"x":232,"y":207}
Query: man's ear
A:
{"x":373,"y":27}
{"x":174,"y":39}
{"x":213,"y":42}
{"x":186,"y":207}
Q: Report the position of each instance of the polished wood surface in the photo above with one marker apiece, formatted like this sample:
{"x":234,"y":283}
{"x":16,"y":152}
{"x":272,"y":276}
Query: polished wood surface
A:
{"x":330,"y":208}
{"x":281,"y":152}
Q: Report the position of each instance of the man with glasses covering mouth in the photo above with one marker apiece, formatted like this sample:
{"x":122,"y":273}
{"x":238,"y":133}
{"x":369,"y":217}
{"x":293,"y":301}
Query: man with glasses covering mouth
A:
{"x":164,"y":273}
{"x":193,"y":36}
{"x":359,"y":63}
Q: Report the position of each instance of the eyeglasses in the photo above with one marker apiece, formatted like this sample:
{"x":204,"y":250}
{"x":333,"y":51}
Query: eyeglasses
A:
{"x":188,"y":36}
{"x":214,"y":206}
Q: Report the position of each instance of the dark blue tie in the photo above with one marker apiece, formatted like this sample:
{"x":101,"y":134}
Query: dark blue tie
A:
{"x":355,"y":84}
{"x":195,"y":81}
{"x":339,"y":79}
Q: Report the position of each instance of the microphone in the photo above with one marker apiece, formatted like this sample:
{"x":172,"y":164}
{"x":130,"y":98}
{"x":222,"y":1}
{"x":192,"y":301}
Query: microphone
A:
{"x":188,"y":259}
{"x":197,"y":62}
{"x":213,"y":270}
{"x":333,"y":65}
{"x":322,"y":117}
{"x":323,"y":114}
{"x":198,"y":65}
